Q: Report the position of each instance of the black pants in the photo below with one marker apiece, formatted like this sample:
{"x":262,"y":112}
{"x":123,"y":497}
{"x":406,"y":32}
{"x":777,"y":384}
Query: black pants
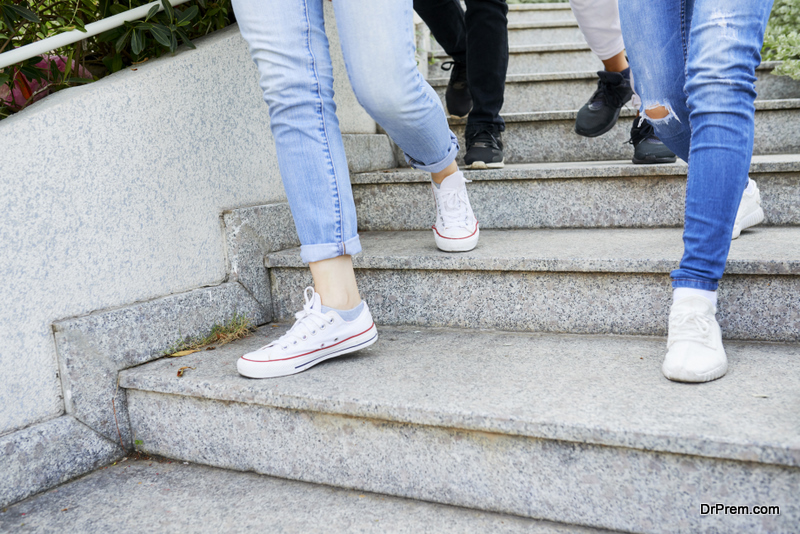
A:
{"x":480,"y":40}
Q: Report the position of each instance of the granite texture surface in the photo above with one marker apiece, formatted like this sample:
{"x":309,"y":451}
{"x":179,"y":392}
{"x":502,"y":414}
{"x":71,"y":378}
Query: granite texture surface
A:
{"x":93,"y":349}
{"x":548,"y":91}
{"x":41,"y":456}
{"x":158,"y":495}
{"x":559,"y":31}
{"x":251,"y":233}
{"x":555,"y":12}
{"x":599,"y":486}
{"x":550,"y":136}
{"x":368,"y":152}
{"x":605,"y":390}
{"x":640,"y":201}
{"x":545,"y":280}
{"x":761,"y":164}
{"x":546,"y":58}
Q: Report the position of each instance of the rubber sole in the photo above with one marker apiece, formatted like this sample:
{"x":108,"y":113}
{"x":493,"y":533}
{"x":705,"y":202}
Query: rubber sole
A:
{"x":457,"y":245}
{"x":482,"y":165}
{"x":284,"y":368}
{"x":719,"y":372}
{"x":752,"y":219}
{"x":652,"y":160}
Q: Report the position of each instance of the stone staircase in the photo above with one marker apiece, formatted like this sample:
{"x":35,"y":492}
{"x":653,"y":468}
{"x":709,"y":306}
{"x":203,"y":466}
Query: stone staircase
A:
{"x":524,"y":377}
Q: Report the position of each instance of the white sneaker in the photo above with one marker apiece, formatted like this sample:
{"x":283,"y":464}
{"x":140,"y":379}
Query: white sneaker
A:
{"x":456,"y":228}
{"x":750,"y":212}
{"x":315,"y":337}
{"x":694,"y":345}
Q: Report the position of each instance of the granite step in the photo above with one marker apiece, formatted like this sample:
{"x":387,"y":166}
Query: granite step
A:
{"x":565,"y":57}
{"x":144,"y":494}
{"x":550,"y":136}
{"x":576,"y":429}
{"x":544,"y":12}
{"x":585,"y":281}
{"x":570,"y":90}
{"x":567,"y":195}
{"x":538,"y":32}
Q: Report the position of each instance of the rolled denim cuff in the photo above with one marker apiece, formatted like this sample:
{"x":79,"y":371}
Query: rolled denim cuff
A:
{"x":694,"y":284}
{"x":326,"y":251}
{"x":441,"y":164}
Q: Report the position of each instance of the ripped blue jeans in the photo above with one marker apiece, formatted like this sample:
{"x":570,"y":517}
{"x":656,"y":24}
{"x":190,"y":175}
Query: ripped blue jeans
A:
{"x":698,"y":58}
{"x":288,"y":44}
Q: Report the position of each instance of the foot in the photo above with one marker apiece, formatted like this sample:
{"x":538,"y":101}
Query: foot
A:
{"x":600,"y":113}
{"x":314,"y":338}
{"x":457,"y":96}
{"x":750,"y":212}
{"x":694,"y":345}
{"x":456,"y":228}
{"x":484,"y":149}
{"x":647,"y":148}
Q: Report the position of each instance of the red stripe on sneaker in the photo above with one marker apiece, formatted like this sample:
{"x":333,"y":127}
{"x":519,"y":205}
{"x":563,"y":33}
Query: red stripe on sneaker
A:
{"x":465,"y":237}
{"x":313,"y":351}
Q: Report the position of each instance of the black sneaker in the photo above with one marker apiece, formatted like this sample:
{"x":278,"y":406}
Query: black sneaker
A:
{"x":484,"y":149}
{"x":457,"y":96}
{"x":647,"y":148}
{"x":600,"y":113}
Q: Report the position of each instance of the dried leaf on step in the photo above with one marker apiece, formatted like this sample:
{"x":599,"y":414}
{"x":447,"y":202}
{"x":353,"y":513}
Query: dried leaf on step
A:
{"x":183,"y":353}
{"x":183,"y":370}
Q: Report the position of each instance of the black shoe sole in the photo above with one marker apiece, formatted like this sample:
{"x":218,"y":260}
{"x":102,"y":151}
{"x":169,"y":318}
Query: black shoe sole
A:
{"x":650,"y":160}
{"x":601,"y":132}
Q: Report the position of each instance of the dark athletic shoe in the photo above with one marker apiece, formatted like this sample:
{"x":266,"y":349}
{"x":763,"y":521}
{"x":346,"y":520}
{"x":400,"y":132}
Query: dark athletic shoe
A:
{"x":647,"y":148}
{"x":600,"y":113}
{"x":484,"y":150}
{"x":457,"y":96}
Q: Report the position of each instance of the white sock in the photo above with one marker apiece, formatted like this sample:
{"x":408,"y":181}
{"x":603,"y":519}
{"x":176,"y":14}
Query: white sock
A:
{"x":751,"y":185}
{"x":681,"y":292}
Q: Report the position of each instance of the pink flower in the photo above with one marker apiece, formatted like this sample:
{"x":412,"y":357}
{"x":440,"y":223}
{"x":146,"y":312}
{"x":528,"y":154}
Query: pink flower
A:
{"x":23,"y":89}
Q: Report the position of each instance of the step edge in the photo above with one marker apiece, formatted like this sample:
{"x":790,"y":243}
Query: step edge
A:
{"x":576,"y":170}
{"x":715,"y":447}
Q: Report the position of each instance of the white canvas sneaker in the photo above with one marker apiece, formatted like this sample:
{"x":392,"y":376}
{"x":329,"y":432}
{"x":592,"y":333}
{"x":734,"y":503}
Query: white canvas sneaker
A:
{"x":314,"y":338}
{"x":694,"y":346}
{"x":456,"y":228}
{"x":750,"y":212}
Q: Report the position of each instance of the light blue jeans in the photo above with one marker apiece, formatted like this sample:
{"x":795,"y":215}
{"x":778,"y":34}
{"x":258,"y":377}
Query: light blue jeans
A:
{"x":698,"y":58}
{"x":288,"y":45}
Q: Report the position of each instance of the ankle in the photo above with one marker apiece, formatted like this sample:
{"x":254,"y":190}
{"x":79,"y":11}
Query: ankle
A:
{"x":682,"y":292}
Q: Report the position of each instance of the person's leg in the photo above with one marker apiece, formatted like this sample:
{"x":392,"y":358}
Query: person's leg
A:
{"x":288,"y":44}
{"x":487,"y":65}
{"x":445,"y":19}
{"x":380,"y":63}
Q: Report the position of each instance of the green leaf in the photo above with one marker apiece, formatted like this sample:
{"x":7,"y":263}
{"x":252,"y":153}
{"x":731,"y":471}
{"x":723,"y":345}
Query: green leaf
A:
{"x":32,"y":73}
{"x":26,"y":14}
{"x":4,"y":78}
{"x":79,"y":80}
{"x":110,"y":35}
{"x":152,"y":12}
{"x":186,"y":40}
{"x":168,"y":9}
{"x":161,"y":34}
{"x":144,"y":26}
{"x":138,"y":442}
{"x":202,"y":3}
{"x":173,"y":44}
{"x":79,"y":23}
{"x":137,"y":42}
{"x":116,"y":9}
{"x":122,"y":42}
{"x":189,"y":14}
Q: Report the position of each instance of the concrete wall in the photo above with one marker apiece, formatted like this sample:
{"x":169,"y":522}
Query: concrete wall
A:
{"x":112,"y":194}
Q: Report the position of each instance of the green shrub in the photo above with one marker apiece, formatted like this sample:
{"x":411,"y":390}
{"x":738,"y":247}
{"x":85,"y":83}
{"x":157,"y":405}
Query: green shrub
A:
{"x":782,"y":40}
{"x":25,"y":21}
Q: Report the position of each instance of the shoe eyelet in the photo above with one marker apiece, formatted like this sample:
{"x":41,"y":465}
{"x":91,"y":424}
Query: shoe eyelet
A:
{"x":305,"y":337}
{"x":322,"y":346}
{"x":294,"y":342}
{"x":313,"y":332}
{"x":337,"y":339}
{"x":331,"y":321}
{"x":322,"y":327}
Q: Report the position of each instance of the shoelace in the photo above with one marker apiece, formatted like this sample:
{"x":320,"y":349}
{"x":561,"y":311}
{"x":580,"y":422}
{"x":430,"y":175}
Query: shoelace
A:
{"x":459,"y":74}
{"x":454,"y":207}
{"x":485,"y":136}
{"x":641,"y":132}
{"x":307,"y":322}
{"x":690,"y":326}
{"x":611,"y":94}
